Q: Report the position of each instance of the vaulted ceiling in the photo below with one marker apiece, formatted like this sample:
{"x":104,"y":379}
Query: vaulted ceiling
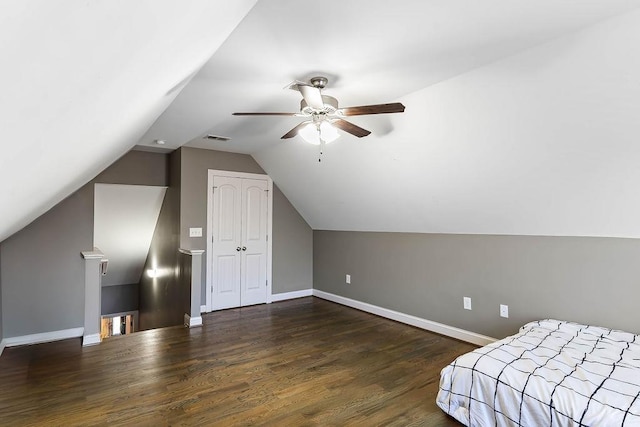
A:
{"x":521,"y":117}
{"x":82,"y":80}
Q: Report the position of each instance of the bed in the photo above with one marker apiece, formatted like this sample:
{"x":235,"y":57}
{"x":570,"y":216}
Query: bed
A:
{"x":551,"y":373}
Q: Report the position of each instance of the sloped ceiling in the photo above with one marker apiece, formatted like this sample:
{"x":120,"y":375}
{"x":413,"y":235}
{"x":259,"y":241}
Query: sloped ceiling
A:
{"x":544,"y":142}
{"x":82,"y":81}
{"x":521,"y":116}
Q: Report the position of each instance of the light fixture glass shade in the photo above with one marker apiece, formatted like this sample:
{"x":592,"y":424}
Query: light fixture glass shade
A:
{"x":311,"y":134}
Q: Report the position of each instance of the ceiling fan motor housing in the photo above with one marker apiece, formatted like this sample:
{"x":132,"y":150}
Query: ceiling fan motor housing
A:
{"x":330,"y":106}
{"x":319,"y":82}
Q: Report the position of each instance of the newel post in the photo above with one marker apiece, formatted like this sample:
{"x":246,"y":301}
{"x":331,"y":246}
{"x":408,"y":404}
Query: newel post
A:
{"x":194,"y":281}
{"x":95,"y":265}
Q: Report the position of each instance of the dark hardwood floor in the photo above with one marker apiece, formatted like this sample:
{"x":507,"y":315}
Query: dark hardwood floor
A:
{"x":298,"y":362}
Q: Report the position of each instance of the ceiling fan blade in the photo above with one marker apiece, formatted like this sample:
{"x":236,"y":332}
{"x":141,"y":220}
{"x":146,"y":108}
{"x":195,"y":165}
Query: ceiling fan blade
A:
{"x":350,"y":128}
{"x":312,"y":96}
{"x":395,"y":107}
{"x":265,"y":114}
{"x":294,"y":85}
{"x":293,"y":132}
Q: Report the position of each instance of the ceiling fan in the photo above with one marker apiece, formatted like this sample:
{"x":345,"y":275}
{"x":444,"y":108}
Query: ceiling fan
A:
{"x":323,"y":115}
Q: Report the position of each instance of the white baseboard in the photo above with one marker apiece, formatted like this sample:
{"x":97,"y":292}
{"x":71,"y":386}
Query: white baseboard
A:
{"x":291,"y":295}
{"x":92,"y":339}
{"x":2,"y":346}
{"x":192,"y":322}
{"x":43,"y":337}
{"x":418,"y":322}
{"x":278,"y":297}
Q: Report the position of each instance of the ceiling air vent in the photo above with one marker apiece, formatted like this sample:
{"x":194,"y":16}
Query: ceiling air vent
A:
{"x":217,"y":138}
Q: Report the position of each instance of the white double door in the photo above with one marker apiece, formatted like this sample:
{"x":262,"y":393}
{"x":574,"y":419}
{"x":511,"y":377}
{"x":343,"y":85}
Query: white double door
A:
{"x":239,"y":261}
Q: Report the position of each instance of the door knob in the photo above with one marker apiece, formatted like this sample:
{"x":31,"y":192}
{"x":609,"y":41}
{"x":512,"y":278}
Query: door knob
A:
{"x":244,"y":248}
{"x":238,"y":249}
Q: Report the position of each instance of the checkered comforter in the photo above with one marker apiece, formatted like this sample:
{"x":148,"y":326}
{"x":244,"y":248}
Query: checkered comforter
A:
{"x":551,"y":373}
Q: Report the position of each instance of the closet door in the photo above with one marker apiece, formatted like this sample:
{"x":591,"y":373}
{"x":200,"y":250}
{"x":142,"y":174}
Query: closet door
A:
{"x":253,"y":276}
{"x":227,"y":242}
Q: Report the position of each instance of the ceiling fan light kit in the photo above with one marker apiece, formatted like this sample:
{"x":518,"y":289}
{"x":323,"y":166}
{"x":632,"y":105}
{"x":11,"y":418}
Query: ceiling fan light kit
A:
{"x":323,"y":115}
{"x":315,"y":133}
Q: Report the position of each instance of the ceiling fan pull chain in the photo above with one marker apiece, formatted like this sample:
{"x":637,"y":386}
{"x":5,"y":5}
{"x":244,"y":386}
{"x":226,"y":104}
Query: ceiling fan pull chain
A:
{"x":321,"y":148}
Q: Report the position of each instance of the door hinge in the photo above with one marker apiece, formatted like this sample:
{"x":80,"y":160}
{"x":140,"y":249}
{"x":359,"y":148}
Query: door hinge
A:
{"x":266,"y":283}
{"x":267,"y":237}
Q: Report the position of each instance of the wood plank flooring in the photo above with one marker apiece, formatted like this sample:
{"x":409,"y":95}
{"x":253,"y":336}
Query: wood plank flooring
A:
{"x":302,"y":362}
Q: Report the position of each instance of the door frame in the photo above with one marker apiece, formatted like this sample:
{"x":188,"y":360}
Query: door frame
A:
{"x":209,"y":279}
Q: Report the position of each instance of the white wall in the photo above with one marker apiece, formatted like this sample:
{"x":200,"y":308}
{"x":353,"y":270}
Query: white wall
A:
{"x":125,"y":218}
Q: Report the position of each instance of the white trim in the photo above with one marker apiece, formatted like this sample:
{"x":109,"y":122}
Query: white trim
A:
{"x":203,"y":309}
{"x":418,"y":322}
{"x":94,"y":254}
{"x":207,"y":267}
{"x":2,"y":346}
{"x":209,"y":250}
{"x":291,"y":295}
{"x":269,"y":238}
{"x":192,"y":322}
{"x":43,"y":337}
{"x":92,"y":339}
{"x":191,"y":251}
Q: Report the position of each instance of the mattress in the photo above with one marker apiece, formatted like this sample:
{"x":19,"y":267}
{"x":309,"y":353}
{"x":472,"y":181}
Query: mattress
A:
{"x":552,"y":373}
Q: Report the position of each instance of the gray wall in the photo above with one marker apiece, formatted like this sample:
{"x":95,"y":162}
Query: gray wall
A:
{"x":159,"y":296}
{"x":1,"y":335}
{"x":119,"y":298}
{"x":50,"y":296}
{"x":292,"y":236}
{"x":137,"y":168}
{"x":588,"y":280}
{"x":193,"y":199}
{"x":42,"y":272}
{"x":292,"y":247}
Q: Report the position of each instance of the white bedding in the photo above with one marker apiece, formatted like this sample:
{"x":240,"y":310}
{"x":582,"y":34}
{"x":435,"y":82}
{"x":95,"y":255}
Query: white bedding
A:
{"x":551,"y":373}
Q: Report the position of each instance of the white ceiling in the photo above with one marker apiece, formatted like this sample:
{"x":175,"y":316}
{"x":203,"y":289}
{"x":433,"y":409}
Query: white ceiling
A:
{"x":545,"y":142}
{"x":82,"y":81}
{"x":520,"y":115}
{"x":372,"y":53}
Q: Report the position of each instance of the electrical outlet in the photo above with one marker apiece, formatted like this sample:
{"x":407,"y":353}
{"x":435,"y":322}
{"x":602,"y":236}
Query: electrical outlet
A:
{"x":195,"y":232}
{"x":466,"y":301}
{"x":348,"y":279}
{"x":504,"y":310}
